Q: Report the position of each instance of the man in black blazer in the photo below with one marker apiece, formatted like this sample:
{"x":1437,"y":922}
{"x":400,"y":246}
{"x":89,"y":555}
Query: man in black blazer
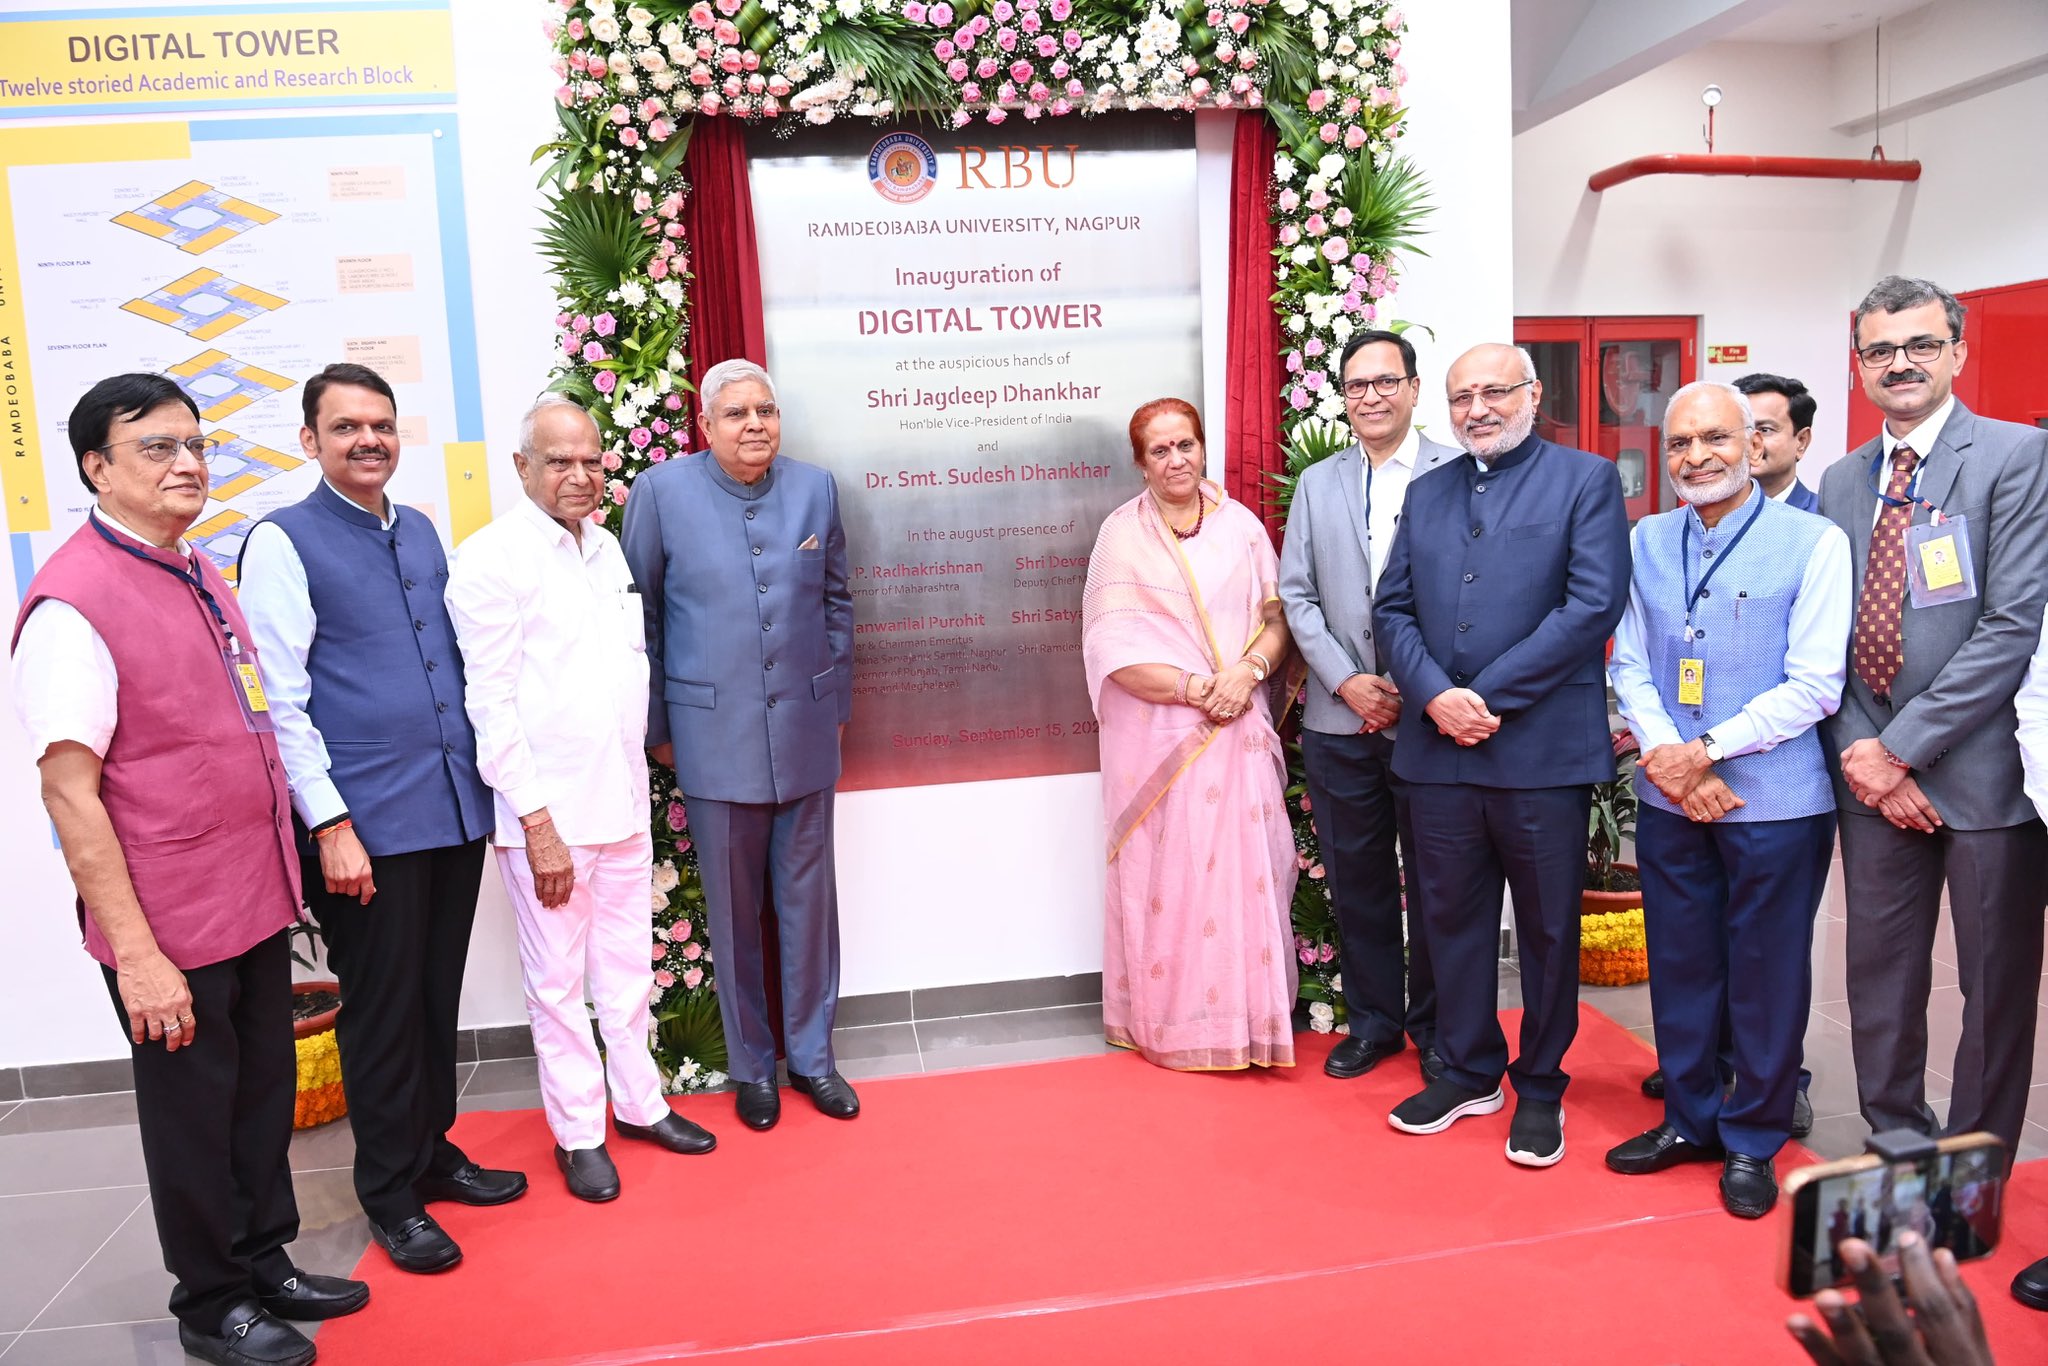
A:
{"x":1508,"y":573}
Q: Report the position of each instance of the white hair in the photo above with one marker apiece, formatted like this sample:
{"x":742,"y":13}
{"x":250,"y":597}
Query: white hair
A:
{"x":1528,"y":362}
{"x":1701,"y":386}
{"x":545,"y":403}
{"x":729,"y":372}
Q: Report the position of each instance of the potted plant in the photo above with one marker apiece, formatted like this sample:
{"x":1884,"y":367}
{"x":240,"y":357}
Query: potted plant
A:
{"x":315,"y":1003}
{"x":1612,"y":948}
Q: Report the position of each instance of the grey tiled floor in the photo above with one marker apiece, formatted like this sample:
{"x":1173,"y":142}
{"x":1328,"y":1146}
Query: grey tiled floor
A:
{"x":81,"y":1279}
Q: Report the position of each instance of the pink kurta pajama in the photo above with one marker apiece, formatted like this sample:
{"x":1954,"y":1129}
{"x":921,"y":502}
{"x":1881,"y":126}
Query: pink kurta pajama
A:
{"x":1197,"y":971}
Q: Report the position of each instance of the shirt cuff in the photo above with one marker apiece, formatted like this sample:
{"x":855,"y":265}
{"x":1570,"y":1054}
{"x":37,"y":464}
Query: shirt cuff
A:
{"x":318,"y":801}
{"x":525,"y":799}
{"x":1739,"y":734}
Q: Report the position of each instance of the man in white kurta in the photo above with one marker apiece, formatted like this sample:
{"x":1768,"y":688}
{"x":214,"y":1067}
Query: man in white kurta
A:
{"x":554,"y":650}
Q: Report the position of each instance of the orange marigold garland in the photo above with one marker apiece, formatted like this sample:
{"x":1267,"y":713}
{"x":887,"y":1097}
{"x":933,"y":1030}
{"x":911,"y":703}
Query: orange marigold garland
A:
{"x":320,"y":1097}
{"x":1612,"y":949}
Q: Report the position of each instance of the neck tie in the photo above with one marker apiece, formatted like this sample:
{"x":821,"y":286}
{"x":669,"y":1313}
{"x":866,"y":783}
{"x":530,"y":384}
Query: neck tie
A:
{"x":1879,"y":646}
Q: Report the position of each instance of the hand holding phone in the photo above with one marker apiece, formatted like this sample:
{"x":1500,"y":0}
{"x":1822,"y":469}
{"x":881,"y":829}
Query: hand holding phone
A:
{"x":1948,"y":1194}
{"x":1943,"y":1329}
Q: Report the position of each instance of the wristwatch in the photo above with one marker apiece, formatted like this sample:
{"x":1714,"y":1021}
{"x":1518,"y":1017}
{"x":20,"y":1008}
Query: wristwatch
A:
{"x":1712,"y":746}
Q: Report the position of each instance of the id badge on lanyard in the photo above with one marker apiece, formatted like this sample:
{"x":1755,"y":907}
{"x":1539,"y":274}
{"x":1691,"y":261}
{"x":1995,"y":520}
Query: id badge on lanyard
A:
{"x":1938,"y":564}
{"x":249,"y":692}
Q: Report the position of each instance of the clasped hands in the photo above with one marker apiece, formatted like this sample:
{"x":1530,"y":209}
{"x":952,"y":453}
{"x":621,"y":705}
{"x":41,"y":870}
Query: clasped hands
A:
{"x":1876,"y":781}
{"x":1462,"y":715}
{"x":1686,"y":777}
{"x":1373,"y":699}
{"x":1229,"y":694}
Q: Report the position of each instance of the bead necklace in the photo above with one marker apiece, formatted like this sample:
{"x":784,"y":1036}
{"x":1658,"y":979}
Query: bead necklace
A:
{"x":1201,"y":511}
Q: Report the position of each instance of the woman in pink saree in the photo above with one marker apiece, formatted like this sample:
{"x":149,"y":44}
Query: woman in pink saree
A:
{"x":1181,"y":630}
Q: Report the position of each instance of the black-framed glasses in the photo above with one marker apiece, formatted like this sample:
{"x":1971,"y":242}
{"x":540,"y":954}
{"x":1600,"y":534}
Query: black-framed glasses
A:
{"x":1920,"y":350}
{"x":1494,"y":394}
{"x":1719,"y":442}
{"x":162,"y":450}
{"x":1386,"y":386}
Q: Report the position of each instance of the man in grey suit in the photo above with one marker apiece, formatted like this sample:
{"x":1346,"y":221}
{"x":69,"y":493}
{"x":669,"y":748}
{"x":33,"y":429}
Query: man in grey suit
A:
{"x":1927,"y":776}
{"x":741,"y":561}
{"x":1339,"y":530}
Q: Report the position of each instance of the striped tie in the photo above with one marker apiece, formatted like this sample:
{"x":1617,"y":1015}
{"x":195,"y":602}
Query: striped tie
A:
{"x":1879,"y":643}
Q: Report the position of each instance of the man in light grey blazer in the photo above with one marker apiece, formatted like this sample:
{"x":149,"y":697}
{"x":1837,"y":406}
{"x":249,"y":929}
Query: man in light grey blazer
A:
{"x":1928,"y":778}
{"x":1339,"y":530}
{"x":741,"y":562}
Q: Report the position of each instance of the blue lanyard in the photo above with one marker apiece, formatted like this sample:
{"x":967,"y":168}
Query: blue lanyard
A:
{"x":1912,"y":498}
{"x":1694,"y":594}
{"x":190,"y":575}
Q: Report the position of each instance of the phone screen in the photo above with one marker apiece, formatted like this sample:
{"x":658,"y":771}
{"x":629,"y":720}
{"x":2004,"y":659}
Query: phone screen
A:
{"x":1952,"y":1199}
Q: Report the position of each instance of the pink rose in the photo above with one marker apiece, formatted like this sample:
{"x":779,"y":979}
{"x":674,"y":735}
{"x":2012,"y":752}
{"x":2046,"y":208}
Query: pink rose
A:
{"x":1298,"y":399}
{"x":1071,"y":39}
{"x":1308,"y":957}
{"x":1038,"y":94}
{"x":1020,"y":70}
{"x":576,"y":29}
{"x":592,"y":352}
{"x":700,"y":16}
{"x":1290,"y":200}
{"x":1239,"y":22}
{"x":693,"y":978}
{"x":1062,"y":108}
{"x":730,"y":63}
{"x":1333,"y":251}
{"x":661,"y":130}
{"x":1060,"y":70}
{"x":1316,"y":100}
{"x":606,"y":381}
{"x":1314,"y":348}
{"x":604,"y":324}
{"x":1006,"y":92}
{"x":987,"y":67}
{"x":617,"y":490}
{"x":1002,"y":11}
{"x":914,"y":12}
{"x":1294,"y":362}
{"x":629,"y":137}
{"x":1327,"y":951}
{"x":660,"y":952}
{"x":1289,"y":234}
{"x":640,"y":437}
{"x":664,"y":979}
{"x":657,"y":269}
{"x":969,"y":92}
{"x":682,"y":929}
{"x":1214,"y":19}
{"x":979,"y":23}
{"x":1353,"y":302}
{"x":1329,"y":132}
{"x":1315,"y":870}
{"x":1314,"y":380}
{"x":1315,"y":226}
{"x":1030,"y":23}
{"x":674,"y":403}
{"x":1342,"y":218}
{"x":1354,"y":137}
{"x":682,"y":847}
{"x":1060,"y":9}
{"x":693,"y":951}
{"x":941,"y":14}
{"x":565,"y":97}
{"x":1318,"y":199}
{"x":725,"y":33}
{"x":996,"y":116}
{"x":1382,"y":96}
{"x":1046,"y":44}
{"x":729,"y":7}
{"x":944,"y":50}
{"x":1006,"y":39}
{"x":611,"y":460}
{"x":619,"y":114}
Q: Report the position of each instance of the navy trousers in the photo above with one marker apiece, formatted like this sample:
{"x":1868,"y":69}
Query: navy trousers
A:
{"x":742,"y":849}
{"x":1729,"y":908}
{"x":1361,"y":816}
{"x":1471,"y":843}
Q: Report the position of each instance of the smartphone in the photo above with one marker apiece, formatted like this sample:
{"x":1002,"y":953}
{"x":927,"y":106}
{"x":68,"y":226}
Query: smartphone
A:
{"x":1954,"y":1198}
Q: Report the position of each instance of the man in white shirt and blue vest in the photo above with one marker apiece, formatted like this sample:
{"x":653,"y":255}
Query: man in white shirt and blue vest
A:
{"x":554,"y":657}
{"x":1731,"y":651}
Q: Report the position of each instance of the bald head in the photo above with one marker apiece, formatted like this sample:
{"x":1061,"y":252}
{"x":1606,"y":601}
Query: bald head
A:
{"x":1493,"y":391}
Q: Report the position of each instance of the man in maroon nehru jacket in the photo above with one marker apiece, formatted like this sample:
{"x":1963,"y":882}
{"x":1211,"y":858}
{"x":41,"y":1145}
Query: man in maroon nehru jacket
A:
{"x":134,"y":678}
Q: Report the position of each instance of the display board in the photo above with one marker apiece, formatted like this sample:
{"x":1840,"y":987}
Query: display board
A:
{"x":960,"y":329}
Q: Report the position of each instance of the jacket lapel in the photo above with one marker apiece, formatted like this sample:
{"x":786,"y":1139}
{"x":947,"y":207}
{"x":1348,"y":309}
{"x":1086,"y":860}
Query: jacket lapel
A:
{"x":1945,"y":461}
{"x":1350,"y":481}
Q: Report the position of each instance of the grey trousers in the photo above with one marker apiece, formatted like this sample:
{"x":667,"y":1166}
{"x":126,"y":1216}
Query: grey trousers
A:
{"x":744,"y":848}
{"x":1998,"y":886}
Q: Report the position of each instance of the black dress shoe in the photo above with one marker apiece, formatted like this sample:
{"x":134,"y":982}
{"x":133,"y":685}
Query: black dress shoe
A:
{"x":1355,"y":1056}
{"x":417,"y":1244}
{"x":759,"y":1104}
{"x":470,"y":1184}
{"x":1432,"y":1065}
{"x":1748,"y":1186}
{"x":1656,"y":1150}
{"x":306,"y":1297}
{"x":829,"y":1093}
{"x":1802,"y":1115}
{"x":2030,"y":1287}
{"x":248,"y":1337}
{"x":674,"y":1133}
{"x":1653,"y":1085}
{"x":590,"y":1173}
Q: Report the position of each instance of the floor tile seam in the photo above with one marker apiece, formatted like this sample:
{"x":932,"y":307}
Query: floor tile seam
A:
{"x":73,"y":1277}
{"x":111,"y":1323}
{"x":78,"y":1190}
{"x":640,"y":1356}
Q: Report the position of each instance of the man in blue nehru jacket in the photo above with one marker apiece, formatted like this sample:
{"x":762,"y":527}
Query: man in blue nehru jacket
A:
{"x":742,"y":562}
{"x":343,"y":592}
{"x":1509,"y":569}
{"x":1732,"y":650}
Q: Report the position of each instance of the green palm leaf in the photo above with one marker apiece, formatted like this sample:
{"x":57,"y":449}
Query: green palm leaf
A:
{"x":592,"y":242}
{"x":690,"y":1029}
{"x":892,"y":56}
{"x":1389,"y":207}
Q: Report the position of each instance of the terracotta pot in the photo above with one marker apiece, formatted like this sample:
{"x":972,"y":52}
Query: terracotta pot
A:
{"x":315,"y":1024}
{"x":1595,"y":903}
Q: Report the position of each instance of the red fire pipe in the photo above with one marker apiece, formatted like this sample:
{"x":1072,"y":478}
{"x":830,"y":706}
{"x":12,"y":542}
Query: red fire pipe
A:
{"x":1797,"y":168}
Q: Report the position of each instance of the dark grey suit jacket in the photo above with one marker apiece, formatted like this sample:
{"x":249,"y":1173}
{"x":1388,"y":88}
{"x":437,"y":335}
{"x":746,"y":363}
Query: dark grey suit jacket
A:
{"x":1951,"y":713}
{"x":1325,"y":583}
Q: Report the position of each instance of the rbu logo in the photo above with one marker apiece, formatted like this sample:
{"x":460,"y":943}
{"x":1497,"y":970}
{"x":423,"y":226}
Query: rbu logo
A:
{"x":1016,"y":167}
{"x":903,"y":168}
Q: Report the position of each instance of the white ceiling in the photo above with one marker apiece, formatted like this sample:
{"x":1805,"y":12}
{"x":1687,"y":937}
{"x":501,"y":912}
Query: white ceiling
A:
{"x":1821,"y":21}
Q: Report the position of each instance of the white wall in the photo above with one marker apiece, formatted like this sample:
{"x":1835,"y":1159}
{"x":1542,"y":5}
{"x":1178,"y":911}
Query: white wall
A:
{"x":939,"y":885}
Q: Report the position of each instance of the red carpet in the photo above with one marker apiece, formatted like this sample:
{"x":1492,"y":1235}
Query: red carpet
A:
{"x":1102,"y":1210}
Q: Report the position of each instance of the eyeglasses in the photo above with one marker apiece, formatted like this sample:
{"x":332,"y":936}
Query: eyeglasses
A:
{"x":767,"y":412}
{"x":1719,"y":442}
{"x":1386,"y":386}
{"x":1494,"y":394}
{"x":163,"y":450}
{"x":562,"y":464}
{"x":1920,"y":350}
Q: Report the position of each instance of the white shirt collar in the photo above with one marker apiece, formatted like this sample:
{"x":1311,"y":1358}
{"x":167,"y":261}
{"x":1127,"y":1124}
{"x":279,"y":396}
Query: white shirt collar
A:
{"x":1922,"y":437}
{"x":184,"y":548}
{"x":388,"y":518}
{"x":1783,"y":495}
{"x":585,"y":545}
{"x":1404,"y":454}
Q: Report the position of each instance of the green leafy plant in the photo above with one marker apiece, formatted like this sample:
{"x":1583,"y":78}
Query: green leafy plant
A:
{"x":892,"y":56}
{"x":1613,"y":818}
{"x":593,"y":242}
{"x":688,"y":1030}
{"x":1389,"y":208}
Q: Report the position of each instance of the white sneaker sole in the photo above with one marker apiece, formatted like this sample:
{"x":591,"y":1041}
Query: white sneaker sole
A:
{"x":1523,"y":1159}
{"x":1485,"y":1105}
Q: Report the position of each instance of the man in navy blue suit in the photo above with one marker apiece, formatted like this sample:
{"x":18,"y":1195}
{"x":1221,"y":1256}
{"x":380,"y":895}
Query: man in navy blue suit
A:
{"x":1784,"y":419}
{"x":1509,"y":571}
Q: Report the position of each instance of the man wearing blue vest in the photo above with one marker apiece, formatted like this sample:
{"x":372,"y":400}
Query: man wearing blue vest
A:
{"x":1731,"y":651}
{"x":343,"y":592}
{"x":741,"y":560}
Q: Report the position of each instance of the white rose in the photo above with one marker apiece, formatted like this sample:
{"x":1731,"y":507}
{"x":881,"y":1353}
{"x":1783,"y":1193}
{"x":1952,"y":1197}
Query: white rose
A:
{"x":1345,"y":46}
{"x":1332,"y":165}
{"x":666,"y":878}
{"x":629,"y":84}
{"x":1320,"y":1010}
{"x":1319,"y":1026}
{"x":1336,"y":981}
{"x":1297,"y":323}
{"x":604,"y":28}
{"x":1304,"y":255}
{"x":656,"y":901}
{"x":671,"y":293}
{"x":848,"y":9}
{"x":1326,"y":70}
{"x":650,"y":59}
{"x":619,"y":63}
{"x":640,"y":16}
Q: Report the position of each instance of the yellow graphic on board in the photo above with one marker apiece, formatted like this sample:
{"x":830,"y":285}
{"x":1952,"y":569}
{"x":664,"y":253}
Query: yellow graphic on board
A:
{"x":195,"y":217}
{"x":239,"y":465}
{"x":220,"y":538}
{"x":222,"y":385}
{"x":204,"y":304}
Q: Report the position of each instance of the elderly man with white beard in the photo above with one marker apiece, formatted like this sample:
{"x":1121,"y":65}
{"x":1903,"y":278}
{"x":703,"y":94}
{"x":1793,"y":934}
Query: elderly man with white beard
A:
{"x":1731,"y":651}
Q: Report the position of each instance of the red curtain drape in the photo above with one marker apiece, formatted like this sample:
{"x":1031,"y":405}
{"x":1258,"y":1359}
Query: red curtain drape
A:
{"x":1251,"y":437}
{"x":718,"y":226}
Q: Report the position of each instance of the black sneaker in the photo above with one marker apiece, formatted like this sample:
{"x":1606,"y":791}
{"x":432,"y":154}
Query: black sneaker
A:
{"x":1441,"y":1104}
{"x":1536,"y":1138}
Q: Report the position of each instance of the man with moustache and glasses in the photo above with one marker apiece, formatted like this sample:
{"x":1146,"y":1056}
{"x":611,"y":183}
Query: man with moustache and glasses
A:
{"x":1508,"y":572}
{"x":1947,"y":518}
{"x":1730,"y":653}
{"x":344,"y":596}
